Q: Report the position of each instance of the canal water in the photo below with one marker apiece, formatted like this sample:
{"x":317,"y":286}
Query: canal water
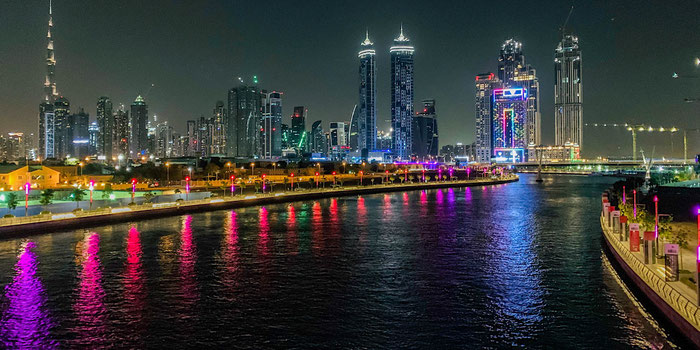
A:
{"x":514,"y":265}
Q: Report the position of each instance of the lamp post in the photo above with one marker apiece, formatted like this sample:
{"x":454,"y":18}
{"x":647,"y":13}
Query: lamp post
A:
{"x":361,"y":173}
{"x":344,"y":163}
{"x":624,"y":197}
{"x":440,"y":174}
{"x":334,"y":179}
{"x":423,"y":178}
{"x":252,"y":168}
{"x":233,"y":185}
{"x":263,"y":183}
{"x":80,"y":169}
{"x":292,"y":176}
{"x":316,"y":180}
{"x":228,"y":165}
{"x":27,"y":187}
{"x":656,"y":227}
{"x":92,"y":188}
{"x":319,"y":167}
{"x":133,"y":189}
{"x":634,"y":194}
{"x":167,"y":171}
{"x":187,"y":188}
{"x":405,"y":175}
{"x":386,"y":176}
{"x":697,"y":258}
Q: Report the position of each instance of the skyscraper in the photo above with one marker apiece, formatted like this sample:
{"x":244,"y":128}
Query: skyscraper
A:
{"x":485,"y":84}
{"x":568,"y":92}
{"x":243,"y":124}
{"x":78,"y":134}
{"x":299,"y":128}
{"x":46,"y":114}
{"x":120,"y":143}
{"x":514,"y":72}
{"x":509,"y":124}
{"x":218,"y":136}
{"x":318,"y":138}
{"x":94,"y":132}
{"x":401,"y":96}
{"x":105,"y":124}
{"x":366,"y":124}
{"x":271,"y":130}
{"x":192,"y":146}
{"x":138,"y":142}
{"x":425,"y":131}
{"x":62,"y":133}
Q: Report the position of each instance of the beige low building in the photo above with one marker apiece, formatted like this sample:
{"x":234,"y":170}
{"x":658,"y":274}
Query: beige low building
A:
{"x":14,"y":177}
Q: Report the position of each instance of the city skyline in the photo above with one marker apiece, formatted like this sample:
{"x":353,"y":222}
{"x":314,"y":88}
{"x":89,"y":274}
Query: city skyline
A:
{"x":456,"y":116}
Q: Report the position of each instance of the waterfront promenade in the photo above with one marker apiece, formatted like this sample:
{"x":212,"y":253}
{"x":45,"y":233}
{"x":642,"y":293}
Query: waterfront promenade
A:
{"x":676,"y":300}
{"x":21,"y":226}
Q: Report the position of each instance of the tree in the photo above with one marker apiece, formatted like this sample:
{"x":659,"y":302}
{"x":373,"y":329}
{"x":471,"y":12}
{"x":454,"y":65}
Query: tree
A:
{"x":148,"y":196}
{"x":411,"y":177}
{"x":11,"y":201}
{"x":77,"y":195}
{"x":107,"y":191}
{"x":46,"y":197}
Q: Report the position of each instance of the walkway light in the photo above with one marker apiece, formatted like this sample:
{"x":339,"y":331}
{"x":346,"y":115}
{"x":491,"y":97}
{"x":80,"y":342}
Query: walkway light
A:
{"x":233,"y":185}
{"x":92,"y":188}
{"x":27,"y":187}
{"x":133,"y":189}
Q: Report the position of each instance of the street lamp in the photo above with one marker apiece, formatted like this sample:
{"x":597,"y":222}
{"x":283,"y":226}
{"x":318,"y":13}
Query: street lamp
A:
{"x":187,"y":188}
{"x":263,"y":183}
{"x":334,"y":179}
{"x":167,"y":170}
{"x":344,"y":163}
{"x":624,"y":198}
{"x":133,"y":189}
{"x":228,"y":164}
{"x":319,"y":167}
{"x":92,"y":188}
{"x":656,"y":227}
{"x":386,"y":176}
{"x":634,"y":194}
{"x":292,"y":176}
{"x":361,"y":173}
{"x":252,"y":167}
{"x":233,"y":185}
{"x":316,"y":180}
{"x":27,"y":187}
{"x":80,"y":169}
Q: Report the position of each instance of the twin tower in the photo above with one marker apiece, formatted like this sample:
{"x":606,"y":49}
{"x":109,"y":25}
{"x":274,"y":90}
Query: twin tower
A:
{"x":401,"y":98}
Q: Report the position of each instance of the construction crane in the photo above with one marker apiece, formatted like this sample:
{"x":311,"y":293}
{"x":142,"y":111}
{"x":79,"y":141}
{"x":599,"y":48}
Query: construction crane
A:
{"x":634,"y":128}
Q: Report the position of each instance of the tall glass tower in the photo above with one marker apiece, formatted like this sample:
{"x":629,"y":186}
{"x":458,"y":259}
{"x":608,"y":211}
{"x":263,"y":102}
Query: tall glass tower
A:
{"x":568,"y":93}
{"x":401,"y":96}
{"x":47,"y":132}
{"x":138,"y":142}
{"x":367,"y":109}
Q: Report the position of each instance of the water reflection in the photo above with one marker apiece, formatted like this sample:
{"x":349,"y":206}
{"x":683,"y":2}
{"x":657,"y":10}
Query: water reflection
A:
{"x":25,"y":321}
{"x":264,"y":235}
{"x":316,"y":228}
{"x":292,"y":244}
{"x":188,"y":258}
{"x":89,"y":307}
{"x":230,"y":254}
{"x":134,"y":281}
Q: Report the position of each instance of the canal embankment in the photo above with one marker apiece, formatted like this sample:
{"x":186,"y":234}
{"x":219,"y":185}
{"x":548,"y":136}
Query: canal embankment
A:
{"x":39,"y":224}
{"x":657,"y":279}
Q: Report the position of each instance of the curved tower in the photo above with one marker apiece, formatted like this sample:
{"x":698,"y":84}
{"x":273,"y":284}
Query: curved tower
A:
{"x":366,"y":124}
{"x":401,"y":96}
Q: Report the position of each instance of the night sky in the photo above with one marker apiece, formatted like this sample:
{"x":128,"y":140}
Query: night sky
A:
{"x":193,"y":51}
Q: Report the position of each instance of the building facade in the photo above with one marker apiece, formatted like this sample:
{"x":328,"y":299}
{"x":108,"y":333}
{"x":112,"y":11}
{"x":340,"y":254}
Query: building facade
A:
{"x":401,"y":96}
{"x":485,"y":84}
{"x":120,"y":143}
{"x":243,"y":124}
{"x":105,"y":124}
{"x":298,"y":132}
{"x":366,"y":109}
{"x":138,"y":141}
{"x":318,"y":139}
{"x":271,"y":130}
{"x":568,"y":93}
{"x":509,"y":124}
{"x":218,"y":132}
{"x":425,"y":132}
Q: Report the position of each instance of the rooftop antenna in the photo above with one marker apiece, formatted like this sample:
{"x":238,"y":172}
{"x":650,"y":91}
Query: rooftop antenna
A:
{"x":149,"y":91}
{"x":563,"y":27}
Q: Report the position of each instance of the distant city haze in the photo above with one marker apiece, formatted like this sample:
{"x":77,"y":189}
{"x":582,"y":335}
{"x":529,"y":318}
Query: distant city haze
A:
{"x":194,"y":53}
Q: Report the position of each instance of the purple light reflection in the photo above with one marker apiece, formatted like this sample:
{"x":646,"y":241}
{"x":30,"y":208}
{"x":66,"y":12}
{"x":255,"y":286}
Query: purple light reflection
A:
{"x":25,"y":322}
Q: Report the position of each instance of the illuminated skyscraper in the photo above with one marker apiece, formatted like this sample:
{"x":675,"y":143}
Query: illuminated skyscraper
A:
{"x":218,"y":132}
{"x":509,"y":124}
{"x":318,"y":138}
{"x":298,"y":134}
{"x":514,"y":72}
{"x":366,"y":123}
{"x":425,"y":131}
{"x":120,"y":143}
{"x":47,"y":142}
{"x":243,"y":124}
{"x":568,"y":92}
{"x":485,"y":84}
{"x":271,"y":130}
{"x":105,"y":124}
{"x":138,"y":142}
{"x":63,"y":135}
{"x":401,"y":96}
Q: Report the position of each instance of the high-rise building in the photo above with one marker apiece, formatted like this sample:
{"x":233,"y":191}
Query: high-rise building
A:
{"x":367,"y":109}
{"x":401,"y":96}
{"x":286,"y":135}
{"x":192,"y":136}
{"x":13,"y":147}
{"x":318,"y":138}
{"x":353,"y":133}
{"x":485,"y":84}
{"x":243,"y":124}
{"x":425,"y":131}
{"x":514,"y":72}
{"x":218,"y":135}
{"x":120,"y":143}
{"x":78,"y":134}
{"x":63,"y":135}
{"x":299,"y":128}
{"x":47,"y":142}
{"x":94,"y":132}
{"x":164,"y":140}
{"x":509,"y":124}
{"x":105,"y":123}
{"x":568,"y":93}
{"x":138,"y":142}
{"x":271,"y":130}
{"x":337,"y":134}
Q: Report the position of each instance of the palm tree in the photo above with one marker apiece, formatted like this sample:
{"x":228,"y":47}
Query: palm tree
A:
{"x":77,"y":195}
{"x":46,"y":197}
{"x":107,"y":191}
{"x":11,"y":201}
{"x":148,"y":196}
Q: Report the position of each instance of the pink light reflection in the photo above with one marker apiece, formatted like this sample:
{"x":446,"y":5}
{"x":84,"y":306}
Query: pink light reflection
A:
{"x":188,"y":258}
{"x":134,"y":279}
{"x":91,"y":329}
